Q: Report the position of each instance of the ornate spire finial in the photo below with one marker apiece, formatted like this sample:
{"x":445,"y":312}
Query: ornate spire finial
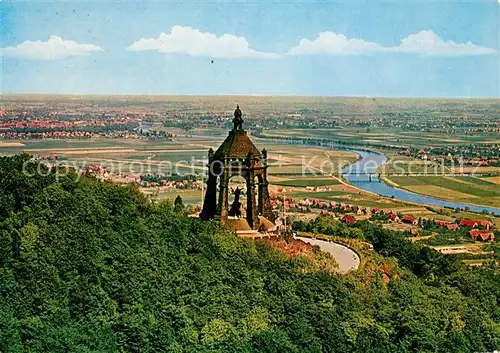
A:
{"x":238,"y":120}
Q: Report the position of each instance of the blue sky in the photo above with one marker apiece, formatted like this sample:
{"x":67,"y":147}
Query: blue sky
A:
{"x":361,"y":48}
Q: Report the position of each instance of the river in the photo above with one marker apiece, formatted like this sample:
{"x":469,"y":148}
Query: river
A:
{"x":370,"y":161}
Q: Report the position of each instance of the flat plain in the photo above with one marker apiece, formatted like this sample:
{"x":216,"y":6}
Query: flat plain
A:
{"x":461,"y":189}
{"x":201,"y":122}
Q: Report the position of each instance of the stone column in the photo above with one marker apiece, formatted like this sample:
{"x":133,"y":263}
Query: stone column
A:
{"x":261,"y":197}
{"x":252,"y":211}
{"x":224,"y":194}
{"x":267,"y":210}
{"x":210,"y":201}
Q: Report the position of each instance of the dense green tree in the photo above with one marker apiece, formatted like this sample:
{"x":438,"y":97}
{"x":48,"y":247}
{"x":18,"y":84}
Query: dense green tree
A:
{"x":178,"y":204}
{"x":90,"y":266}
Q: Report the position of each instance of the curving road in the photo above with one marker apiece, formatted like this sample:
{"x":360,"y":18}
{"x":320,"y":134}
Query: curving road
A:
{"x":347,"y":259}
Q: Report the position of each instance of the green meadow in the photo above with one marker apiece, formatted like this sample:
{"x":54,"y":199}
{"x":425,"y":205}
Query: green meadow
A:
{"x":313,"y":182}
{"x":461,"y":189}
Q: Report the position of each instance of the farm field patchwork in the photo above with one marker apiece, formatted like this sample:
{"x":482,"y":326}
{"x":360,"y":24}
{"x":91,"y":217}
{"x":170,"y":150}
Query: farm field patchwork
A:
{"x":461,"y":189}
{"x":402,"y":165}
{"x":383,"y":136}
{"x":189,"y":196}
{"x":11,"y":144}
{"x":182,"y":155}
{"x":321,"y":195}
{"x":305,"y":182}
{"x":476,"y":170}
{"x":352,"y":198}
{"x":494,"y":179}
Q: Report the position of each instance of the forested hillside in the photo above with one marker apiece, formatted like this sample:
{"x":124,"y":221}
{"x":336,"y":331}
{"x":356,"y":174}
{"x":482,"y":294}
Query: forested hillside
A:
{"x":87,"y":266}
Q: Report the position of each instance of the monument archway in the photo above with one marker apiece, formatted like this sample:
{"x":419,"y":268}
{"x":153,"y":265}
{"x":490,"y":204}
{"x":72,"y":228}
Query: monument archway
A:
{"x":237,"y":156}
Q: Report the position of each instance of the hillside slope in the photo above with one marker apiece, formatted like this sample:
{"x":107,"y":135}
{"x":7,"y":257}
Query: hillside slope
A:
{"x":87,"y":266}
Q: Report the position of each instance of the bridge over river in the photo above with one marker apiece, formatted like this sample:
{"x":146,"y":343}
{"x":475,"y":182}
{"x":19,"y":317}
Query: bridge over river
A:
{"x":368,"y":165}
{"x":371,"y":176}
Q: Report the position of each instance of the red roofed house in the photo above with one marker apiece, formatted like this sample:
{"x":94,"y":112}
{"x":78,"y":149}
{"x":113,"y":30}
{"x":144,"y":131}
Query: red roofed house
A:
{"x":472,"y":223}
{"x":484,"y":223}
{"x":448,"y":225}
{"x":468,"y":223}
{"x":349,"y":219}
{"x":441,"y":223}
{"x":410,"y":220}
{"x":484,"y":235}
{"x":394,"y":217}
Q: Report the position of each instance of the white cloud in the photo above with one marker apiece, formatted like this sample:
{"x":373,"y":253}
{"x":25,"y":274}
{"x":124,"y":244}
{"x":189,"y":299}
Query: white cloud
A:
{"x":193,"y":42}
{"x":422,"y":43}
{"x":334,"y":44}
{"x":429,"y":43}
{"x":54,"y":48}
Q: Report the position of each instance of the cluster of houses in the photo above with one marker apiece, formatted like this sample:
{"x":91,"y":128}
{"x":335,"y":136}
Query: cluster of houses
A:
{"x":289,"y":204}
{"x":484,"y":234}
{"x":447,"y":225}
{"x":49,"y":123}
{"x":479,"y":229}
{"x":171,"y":184}
{"x":48,"y":157}
{"x":477,"y":161}
{"x":125,"y":134}
{"x":179,"y":183}
{"x":46,"y":135}
{"x":41,"y":128}
{"x":96,"y":170}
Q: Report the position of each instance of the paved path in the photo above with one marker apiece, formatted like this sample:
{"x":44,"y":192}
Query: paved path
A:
{"x":347,"y":259}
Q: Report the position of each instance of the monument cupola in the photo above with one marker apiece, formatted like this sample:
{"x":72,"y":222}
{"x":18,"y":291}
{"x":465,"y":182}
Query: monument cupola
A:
{"x":237,"y":156}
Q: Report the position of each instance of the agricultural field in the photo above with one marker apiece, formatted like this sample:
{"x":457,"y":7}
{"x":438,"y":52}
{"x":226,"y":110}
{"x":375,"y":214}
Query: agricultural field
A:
{"x":398,"y":164}
{"x":480,"y":190}
{"x":305,"y":160}
{"x":308,"y":182}
{"x":349,"y":195}
{"x":494,"y":179}
{"x":465,"y":189}
{"x":490,"y":171}
{"x":390,"y":136}
{"x":406,"y":165}
{"x":292,"y":164}
{"x":183,"y":155}
{"x":189,"y":196}
{"x":195,"y":124}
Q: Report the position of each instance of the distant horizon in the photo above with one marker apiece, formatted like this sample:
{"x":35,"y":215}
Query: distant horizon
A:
{"x":242,"y":95}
